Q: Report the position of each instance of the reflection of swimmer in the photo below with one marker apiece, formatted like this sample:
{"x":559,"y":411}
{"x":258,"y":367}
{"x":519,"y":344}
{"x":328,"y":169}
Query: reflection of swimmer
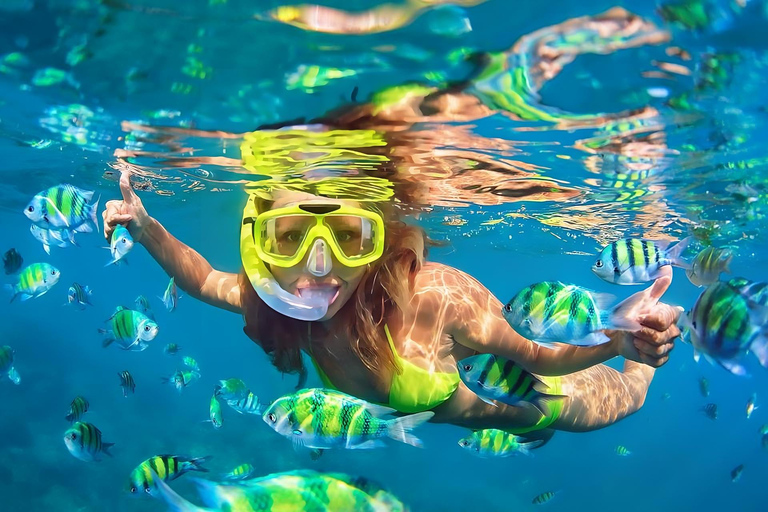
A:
{"x":346,"y":283}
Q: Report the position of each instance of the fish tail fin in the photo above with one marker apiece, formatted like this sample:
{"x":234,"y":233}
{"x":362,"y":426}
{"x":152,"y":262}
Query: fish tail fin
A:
{"x":675,"y":254}
{"x":93,"y":211}
{"x":175,"y":502}
{"x":624,"y":316}
{"x":195,"y":464}
{"x":399,"y":429}
{"x":526,"y":447}
{"x":105,"y":448}
{"x":759,"y":347}
{"x":108,"y":337}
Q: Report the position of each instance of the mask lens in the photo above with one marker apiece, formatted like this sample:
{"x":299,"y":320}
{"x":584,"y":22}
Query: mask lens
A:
{"x":283,"y":236}
{"x":353,"y":235}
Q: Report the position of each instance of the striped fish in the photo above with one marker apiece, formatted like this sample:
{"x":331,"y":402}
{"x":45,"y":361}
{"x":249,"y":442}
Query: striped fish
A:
{"x":12,"y":261}
{"x":241,"y":472}
{"x":190,"y":363}
{"x":34,"y":280}
{"x":552,"y":312}
{"x":543,"y":498}
{"x":493,"y":377}
{"x":64,"y":207}
{"x":130,"y":329}
{"x":142,"y":306}
{"x":171,"y":349}
{"x":723,"y":326}
{"x":171,"y":296}
{"x":77,"y":408}
{"x":707,"y":266}
{"x":496,"y":443}
{"x":126,"y":382}
{"x":634,"y":261}
{"x":120,"y":245}
{"x":321,"y":418}
{"x":622,"y":451}
{"x":710,"y":411}
{"x":231,"y":389}
{"x":181,"y":379}
{"x":165,"y":467}
{"x":80,"y":295}
{"x":248,"y":405}
{"x":48,"y":237}
{"x":84,"y":442}
{"x":215,"y":413}
{"x":751,"y":290}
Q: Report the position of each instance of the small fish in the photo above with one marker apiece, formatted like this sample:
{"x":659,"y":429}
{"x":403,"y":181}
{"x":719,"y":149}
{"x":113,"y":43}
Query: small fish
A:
{"x":491,"y":442}
{"x":14,"y":376}
{"x":321,"y":418}
{"x":231,"y":389}
{"x":751,"y":290}
{"x":80,"y":295}
{"x":84,"y":442}
{"x":553,"y":312}
{"x":171,"y":296}
{"x":12,"y":261}
{"x":215,"y":413}
{"x":495,"y":378}
{"x":181,"y":379}
{"x":190,"y":363}
{"x":34,"y":280}
{"x":165,"y":467}
{"x":634,"y":261}
{"x":724,"y":326}
{"x":142,"y":305}
{"x":131,"y":330}
{"x":708,"y":265}
{"x":64,"y":207}
{"x":736,"y":472}
{"x":543,"y":498}
{"x":120,"y":244}
{"x":763,"y":429}
{"x":704,"y":387}
{"x":241,"y":472}
{"x":77,"y":408}
{"x":6,"y":365}
{"x":248,"y":405}
{"x":171,"y":349}
{"x":127,"y":382}
{"x":48,"y":237}
{"x":710,"y":411}
{"x":622,"y":451}
{"x":666,"y":396}
{"x":751,"y":405}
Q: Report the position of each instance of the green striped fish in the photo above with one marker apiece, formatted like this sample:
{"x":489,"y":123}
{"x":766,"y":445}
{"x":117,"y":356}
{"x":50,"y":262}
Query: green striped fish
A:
{"x":64,"y":207}
{"x":493,"y":377}
{"x":171,"y":296}
{"x":165,"y":467}
{"x":231,"y":389}
{"x":553,"y":312}
{"x":34,"y":280}
{"x":241,"y":472}
{"x":248,"y":405}
{"x":142,"y":306}
{"x":181,"y":379}
{"x":707,"y":266}
{"x":131,"y":330}
{"x":622,"y":451}
{"x":496,"y":443}
{"x":215,"y":413}
{"x":80,"y":295}
{"x":543,"y":498}
{"x":120,"y":245}
{"x":751,"y":290}
{"x":77,"y":408}
{"x":634,"y":261}
{"x":190,"y":363}
{"x":127,"y":382}
{"x":322,"y":418}
{"x":171,"y":349}
{"x":84,"y":441}
{"x":6,"y":365}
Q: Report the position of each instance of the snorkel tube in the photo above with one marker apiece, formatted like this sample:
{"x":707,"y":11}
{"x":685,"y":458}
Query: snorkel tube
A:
{"x":308,"y":309}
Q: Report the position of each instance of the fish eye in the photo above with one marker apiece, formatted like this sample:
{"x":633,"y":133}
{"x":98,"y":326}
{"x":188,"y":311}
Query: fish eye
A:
{"x":146,"y":328}
{"x":508,"y":307}
{"x":271,"y":417}
{"x":73,"y":436}
{"x":123,"y":240}
{"x":132,"y":489}
{"x":31,"y":209}
{"x":599,"y":263}
{"x":148,"y":490}
{"x":467,"y":367}
{"x":53,"y":272}
{"x":464,"y":443}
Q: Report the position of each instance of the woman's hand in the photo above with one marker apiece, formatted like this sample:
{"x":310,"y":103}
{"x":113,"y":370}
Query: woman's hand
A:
{"x":653,"y":343}
{"x":130,"y":212}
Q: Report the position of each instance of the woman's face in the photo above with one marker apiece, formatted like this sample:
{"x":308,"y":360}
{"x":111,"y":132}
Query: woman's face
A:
{"x":340,"y":283}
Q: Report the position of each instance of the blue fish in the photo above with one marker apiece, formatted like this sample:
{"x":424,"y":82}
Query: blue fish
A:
{"x":120,"y":244}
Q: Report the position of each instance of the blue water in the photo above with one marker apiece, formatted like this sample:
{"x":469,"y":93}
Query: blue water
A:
{"x":134,"y":53}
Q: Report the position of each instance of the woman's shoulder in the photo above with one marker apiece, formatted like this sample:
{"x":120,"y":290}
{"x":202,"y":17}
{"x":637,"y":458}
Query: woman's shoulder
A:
{"x":439,"y":276}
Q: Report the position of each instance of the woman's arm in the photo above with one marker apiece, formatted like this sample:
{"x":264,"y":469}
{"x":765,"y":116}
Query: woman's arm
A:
{"x":193,"y":274}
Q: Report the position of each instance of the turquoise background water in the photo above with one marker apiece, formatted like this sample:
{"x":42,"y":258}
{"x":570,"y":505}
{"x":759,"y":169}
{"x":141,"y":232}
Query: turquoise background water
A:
{"x":680,"y":459}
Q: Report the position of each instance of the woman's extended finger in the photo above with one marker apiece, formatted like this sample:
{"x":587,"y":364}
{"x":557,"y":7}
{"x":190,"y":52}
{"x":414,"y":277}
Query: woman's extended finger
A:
{"x":129,"y":196}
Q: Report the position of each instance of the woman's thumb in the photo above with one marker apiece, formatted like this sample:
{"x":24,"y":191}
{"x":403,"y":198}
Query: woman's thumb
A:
{"x":129,"y":196}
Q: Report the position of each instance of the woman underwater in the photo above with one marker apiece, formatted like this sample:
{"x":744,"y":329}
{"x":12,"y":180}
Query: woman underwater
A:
{"x":346,"y":282}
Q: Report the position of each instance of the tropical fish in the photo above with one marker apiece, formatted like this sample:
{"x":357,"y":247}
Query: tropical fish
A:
{"x":708,"y":265}
{"x":12,"y":261}
{"x":543,"y":498}
{"x":34,"y":280}
{"x":751,"y":290}
{"x":215,"y":413}
{"x":84,"y":442}
{"x":6,"y":365}
{"x":120,"y":244}
{"x":763,"y":429}
{"x":736,"y":472}
{"x":622,"y":451}
{"x":171,"y":296}
{"x":241,"y":472}
{"x":248,"y":405}
{"x":231,"y":389}
{"x":130,"y":329}
{"x":171,"y":349}
{"x":80,"y":295}
{"x":77,"y":408}
{"x":164,"y":467}
{"x":634,"y":261}
{"x":142,"y":305}
{"x":495,"y":378}
{"x":710,"y":411}
{"x":704,"y":387}
{"x":127,"y":382}
{"x":320,"y":418}
{"x":724,"y":326}
{"x":190,"y":363}
{"x":491,"y":442}
{"x":64,"y":207}
{"x":666,"y":396}
{"x":45,"y":237}
{"x":751,"y":405}
{"x":14,"y":376}
{"x":181,"y":379}
{"x":553,"y":312}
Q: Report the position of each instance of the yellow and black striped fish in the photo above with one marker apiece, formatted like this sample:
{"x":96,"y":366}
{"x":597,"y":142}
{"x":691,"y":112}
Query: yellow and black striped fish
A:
{"x":34,"y":280}
{"x":634,"y":261}
{"x":543,"y":498}
{"x":77,"y":408}
{"x":63,"y":207}
{"x":80,"y":295}
{"x":166,"y":467}
{"x":241,"y":472}
{"x":127,"y":382}
{"x":248,"y":405}
{"x":84,"y":442}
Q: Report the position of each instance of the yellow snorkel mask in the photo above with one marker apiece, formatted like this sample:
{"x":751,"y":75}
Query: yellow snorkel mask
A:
{"x":284,"y":237}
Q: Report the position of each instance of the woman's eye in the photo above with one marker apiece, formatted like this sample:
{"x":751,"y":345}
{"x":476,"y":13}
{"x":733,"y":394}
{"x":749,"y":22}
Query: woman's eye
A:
{"x":291,"y":236}
{"x":344,"y":236}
